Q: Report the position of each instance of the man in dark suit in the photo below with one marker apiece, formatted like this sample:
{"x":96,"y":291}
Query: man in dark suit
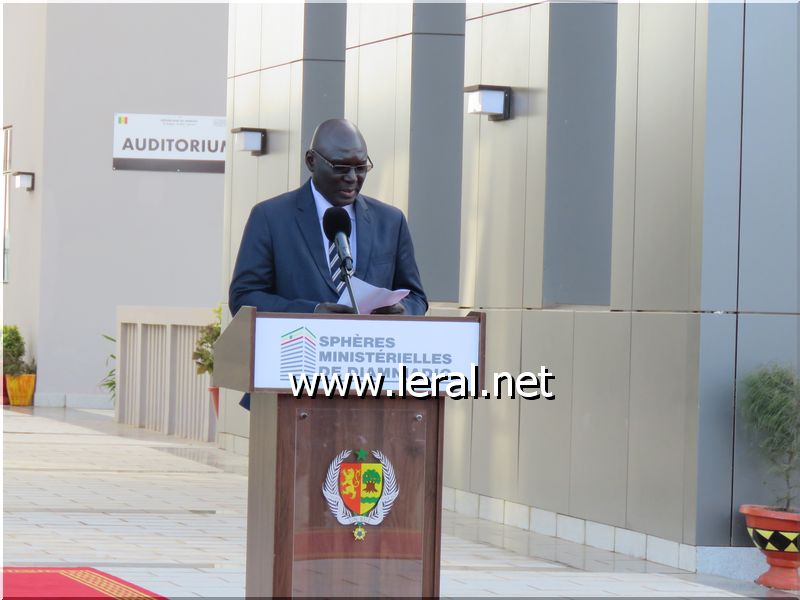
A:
{"x":282,"y":265}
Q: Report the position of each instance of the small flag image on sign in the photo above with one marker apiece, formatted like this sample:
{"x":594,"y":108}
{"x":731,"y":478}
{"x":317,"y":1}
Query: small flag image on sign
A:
{"x":122,"y":120}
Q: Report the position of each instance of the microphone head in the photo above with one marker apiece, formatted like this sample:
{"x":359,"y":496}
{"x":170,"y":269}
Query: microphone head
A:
{"x":335,"y":220}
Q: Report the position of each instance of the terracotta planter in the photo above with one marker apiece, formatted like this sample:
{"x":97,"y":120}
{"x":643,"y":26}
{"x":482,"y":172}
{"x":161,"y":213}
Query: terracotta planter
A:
{"x":215,"y":398}
{"x":777,"y":535}
{"x":20,"y":389}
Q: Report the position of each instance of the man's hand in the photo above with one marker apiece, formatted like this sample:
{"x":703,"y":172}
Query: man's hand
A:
{"x":332,"y":307}
{"x":393,"y":309}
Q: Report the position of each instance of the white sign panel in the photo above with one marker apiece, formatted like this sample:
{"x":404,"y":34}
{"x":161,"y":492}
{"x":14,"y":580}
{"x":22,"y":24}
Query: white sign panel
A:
{"x":169,"y":143}
{"x":366,"y":347}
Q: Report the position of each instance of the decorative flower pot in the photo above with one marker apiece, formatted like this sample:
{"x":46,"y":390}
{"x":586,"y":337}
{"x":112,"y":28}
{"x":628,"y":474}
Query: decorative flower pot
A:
{"x":777,"y":535}
{"x":20,"y":389}
{"x":215,"y":398}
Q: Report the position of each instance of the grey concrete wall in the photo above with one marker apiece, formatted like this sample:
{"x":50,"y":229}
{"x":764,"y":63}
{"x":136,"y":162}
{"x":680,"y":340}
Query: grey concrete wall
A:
{"x":23,"y":110}
{"x":110,"y":238}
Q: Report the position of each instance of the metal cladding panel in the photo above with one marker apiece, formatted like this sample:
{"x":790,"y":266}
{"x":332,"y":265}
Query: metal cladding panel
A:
{"x":297,"y":96}
{"x":325,"y":30}
{"x":495,"y":422}
{"x":580,"y":139}
{"x":722,"y":148}
{"x":247,"y":53}
{"x":663,"y":204}
{"x":500,"y":236}
{"x":380,"y":21}
{"x":599,"y":450}
{"x":439,"y":17}
{"x":282,"y":33}
{"x":458,"y":439}
{"x":546,"y":425}
{"x":243,"y":168}
{"x":274,"y":111}
{"x":377,"y":114}
{"x":457,"y":427}
{"x":351,"y":84}
{"x":469,"y":170}
{"x":715,"y":391}
{"x":404,"y":121}
{"x":769,"y":262}
{"x":625,"y":124}
{"x":536,"y":172}
{"x":434,"y":188}
{"x":664,"y":351}
{"x":323,"y":98}
{"x":490,"y":8}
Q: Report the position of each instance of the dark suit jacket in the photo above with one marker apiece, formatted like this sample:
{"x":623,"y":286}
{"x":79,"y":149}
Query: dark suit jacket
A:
{"x":281,"y":264}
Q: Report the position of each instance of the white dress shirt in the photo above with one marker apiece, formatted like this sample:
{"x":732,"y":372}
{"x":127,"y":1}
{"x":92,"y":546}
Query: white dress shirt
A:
{"x":323,"y":205}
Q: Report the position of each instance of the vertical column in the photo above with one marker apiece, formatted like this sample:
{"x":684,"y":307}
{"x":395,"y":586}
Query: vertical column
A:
{"x":405,"y":65}
{"x":580,"y":167}
{"x":434,"y":183}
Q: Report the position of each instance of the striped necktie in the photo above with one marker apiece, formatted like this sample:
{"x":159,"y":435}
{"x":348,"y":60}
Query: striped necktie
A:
{"x":335,"y":264}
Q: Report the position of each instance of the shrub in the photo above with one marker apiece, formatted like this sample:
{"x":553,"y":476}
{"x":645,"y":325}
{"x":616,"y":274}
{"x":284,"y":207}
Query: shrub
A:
{"x":109,"y":382}
{"x":771,"y":408}
{"x":13,"y":351}
{"x":203,"y":354}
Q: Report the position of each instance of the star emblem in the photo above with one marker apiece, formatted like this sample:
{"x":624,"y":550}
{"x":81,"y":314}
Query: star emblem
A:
{"x":361,"y":454}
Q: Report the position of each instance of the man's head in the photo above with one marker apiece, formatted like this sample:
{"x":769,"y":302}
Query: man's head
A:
{"x":337,"y":144}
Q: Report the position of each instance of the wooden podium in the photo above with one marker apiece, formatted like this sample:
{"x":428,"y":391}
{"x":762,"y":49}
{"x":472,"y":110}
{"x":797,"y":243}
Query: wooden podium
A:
{"x":344,"y":492}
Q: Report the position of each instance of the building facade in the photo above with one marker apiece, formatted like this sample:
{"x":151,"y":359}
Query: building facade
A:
{"x":89,"y":238}
{"x":633,"y":226}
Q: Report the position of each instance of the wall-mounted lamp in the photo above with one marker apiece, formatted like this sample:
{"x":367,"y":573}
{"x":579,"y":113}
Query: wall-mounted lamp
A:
{"x":23,"y":180}
{"x":250,"y":139}
{"x":492,"y":100}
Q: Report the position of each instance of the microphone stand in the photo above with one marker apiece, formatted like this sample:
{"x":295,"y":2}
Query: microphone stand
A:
{"x":347,"y":274}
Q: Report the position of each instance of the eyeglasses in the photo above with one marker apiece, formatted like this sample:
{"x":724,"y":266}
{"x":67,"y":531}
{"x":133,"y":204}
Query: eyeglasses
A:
{"x":342,"y":169}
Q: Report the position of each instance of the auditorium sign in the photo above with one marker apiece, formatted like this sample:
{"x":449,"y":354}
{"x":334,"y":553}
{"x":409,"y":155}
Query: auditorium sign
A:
{"x":192,"y":144}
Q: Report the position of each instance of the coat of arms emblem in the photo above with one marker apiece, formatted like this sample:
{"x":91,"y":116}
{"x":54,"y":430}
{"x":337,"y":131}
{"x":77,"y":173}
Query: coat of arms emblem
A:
{"x":360,"y":493}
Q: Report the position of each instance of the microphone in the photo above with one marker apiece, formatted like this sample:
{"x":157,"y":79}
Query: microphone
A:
{"x":337,"y":227}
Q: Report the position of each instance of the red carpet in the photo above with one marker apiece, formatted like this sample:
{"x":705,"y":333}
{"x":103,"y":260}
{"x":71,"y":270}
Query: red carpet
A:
{"x":67,"y":582}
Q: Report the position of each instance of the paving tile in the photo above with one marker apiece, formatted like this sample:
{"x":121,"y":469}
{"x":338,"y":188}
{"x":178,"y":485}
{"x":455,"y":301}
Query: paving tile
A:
{"x":171,"y":516}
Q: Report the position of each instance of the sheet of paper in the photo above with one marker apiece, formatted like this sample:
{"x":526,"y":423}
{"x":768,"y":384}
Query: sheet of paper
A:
{"x":369,"y":297}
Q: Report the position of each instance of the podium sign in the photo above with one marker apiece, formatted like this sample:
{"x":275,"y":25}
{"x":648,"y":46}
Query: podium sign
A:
{"x":290,"y":345}
{"x":344,"y":491}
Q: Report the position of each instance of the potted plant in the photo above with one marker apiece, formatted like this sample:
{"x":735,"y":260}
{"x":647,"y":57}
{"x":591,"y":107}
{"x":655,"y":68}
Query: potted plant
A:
{"x":203,"y":354}
{"x":771,"y":409}
{"x":19,"y":376}
{"x":13,"y":352}
{"x":109,"y":382}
